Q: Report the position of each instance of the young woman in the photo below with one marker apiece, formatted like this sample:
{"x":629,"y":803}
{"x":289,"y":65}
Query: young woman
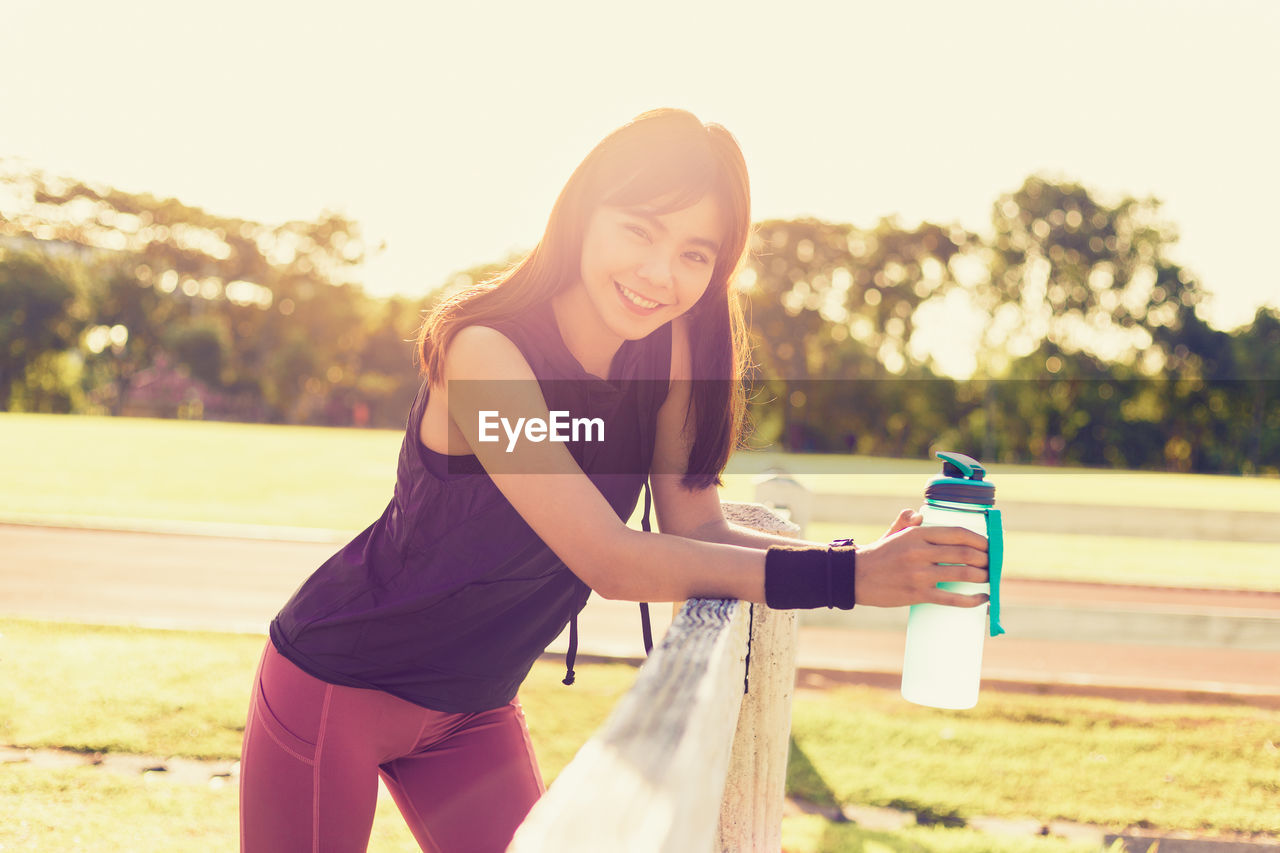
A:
{"x":401,"y":656}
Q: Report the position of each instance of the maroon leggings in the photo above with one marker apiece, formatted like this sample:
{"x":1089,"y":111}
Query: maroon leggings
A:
{"x":313,"y":752}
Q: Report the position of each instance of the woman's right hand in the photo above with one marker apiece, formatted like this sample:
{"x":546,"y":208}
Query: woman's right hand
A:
{"x":906,"y":565}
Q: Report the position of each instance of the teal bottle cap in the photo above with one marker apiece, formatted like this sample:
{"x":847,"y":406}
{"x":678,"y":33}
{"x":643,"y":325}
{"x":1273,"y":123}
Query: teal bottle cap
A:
{"x":959,"y":466}
{"x":961,"y":481}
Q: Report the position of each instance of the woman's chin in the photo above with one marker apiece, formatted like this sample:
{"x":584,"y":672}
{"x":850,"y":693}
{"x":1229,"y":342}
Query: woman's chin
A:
{"x":638,"y":328}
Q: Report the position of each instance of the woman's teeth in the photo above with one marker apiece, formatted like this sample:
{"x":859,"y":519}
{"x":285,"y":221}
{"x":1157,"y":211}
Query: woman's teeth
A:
{"x":636,"y":298}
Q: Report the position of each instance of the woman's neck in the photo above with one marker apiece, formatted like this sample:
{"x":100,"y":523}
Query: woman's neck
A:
{"x":584,"y":334}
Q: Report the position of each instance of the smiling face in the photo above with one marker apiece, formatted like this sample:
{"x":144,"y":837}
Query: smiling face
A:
{"x":641,"y":269}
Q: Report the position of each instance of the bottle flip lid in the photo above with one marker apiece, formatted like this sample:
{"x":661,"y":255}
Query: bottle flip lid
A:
{"x":961,"y":481}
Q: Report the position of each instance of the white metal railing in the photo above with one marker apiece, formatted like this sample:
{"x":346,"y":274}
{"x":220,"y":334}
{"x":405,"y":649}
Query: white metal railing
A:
{"x":694,"y":756}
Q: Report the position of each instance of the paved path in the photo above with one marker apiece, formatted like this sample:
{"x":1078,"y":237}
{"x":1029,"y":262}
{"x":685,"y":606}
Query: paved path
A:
{"x":228,"y":584}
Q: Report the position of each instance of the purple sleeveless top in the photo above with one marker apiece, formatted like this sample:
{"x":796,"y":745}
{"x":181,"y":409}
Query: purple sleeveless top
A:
{"x":449,"y":597}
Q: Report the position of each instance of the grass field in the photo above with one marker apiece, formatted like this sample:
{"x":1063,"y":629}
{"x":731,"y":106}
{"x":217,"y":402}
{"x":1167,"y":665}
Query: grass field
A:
{"x":265,"y":474}
{"x":99,"y":470}
{"x":1207,"y":769}
{"x":85,"y":809}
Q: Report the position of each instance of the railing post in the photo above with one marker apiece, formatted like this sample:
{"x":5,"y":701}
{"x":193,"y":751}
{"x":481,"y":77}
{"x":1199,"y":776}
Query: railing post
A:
{"x":686,"y":761}
{"x":755,"y":788}
{"x":779,"y":490}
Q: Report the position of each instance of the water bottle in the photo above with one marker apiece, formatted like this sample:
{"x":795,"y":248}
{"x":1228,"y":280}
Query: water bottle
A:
{"x":942,"y":664}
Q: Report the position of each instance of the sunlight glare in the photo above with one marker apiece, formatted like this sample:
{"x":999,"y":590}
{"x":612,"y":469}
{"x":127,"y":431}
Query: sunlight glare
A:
{"x":948,"y":332}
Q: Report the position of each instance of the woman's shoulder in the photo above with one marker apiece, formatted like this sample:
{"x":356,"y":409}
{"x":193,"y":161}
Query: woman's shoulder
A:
{"x":484,"y":352}
{"x":475,"y":334}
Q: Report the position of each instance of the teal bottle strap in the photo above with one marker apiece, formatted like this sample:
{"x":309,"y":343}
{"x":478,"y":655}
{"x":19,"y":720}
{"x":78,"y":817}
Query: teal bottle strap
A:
{"x":995,"y":557}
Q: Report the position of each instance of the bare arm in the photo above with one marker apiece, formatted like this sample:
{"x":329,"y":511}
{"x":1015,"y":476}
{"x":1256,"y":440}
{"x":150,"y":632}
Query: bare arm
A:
{"x":735,"y":534}
{"x":728,"y":533}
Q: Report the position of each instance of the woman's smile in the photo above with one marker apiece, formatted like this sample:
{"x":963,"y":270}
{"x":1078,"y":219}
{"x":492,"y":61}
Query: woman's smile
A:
{"x":636,"y":302}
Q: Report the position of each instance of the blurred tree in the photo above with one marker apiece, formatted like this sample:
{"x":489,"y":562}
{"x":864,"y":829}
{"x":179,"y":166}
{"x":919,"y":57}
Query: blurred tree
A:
{"x":289,"y":383}
{"x":163,"y":262}
{"x":1056,"y":407}
{"x":1085,"y":275}
{"x":129,"y":319}
{"x":795,"y":285}
{"x":833,"y":304}
{"x":1092,"y":332}
{"x":39,"y":315}
{"x":385,"y":379}
{"x":200,"y":344}
{"x":1257,"y":356}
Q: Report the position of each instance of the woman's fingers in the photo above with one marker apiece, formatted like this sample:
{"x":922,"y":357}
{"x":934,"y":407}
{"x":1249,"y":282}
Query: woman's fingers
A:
{"x":959,"y":555}
{"x":963,"y":574}
{"x":957,"y":599}
{"x":941,"y":545}
{"x":954,"y":536}
{"x":906,"y":518}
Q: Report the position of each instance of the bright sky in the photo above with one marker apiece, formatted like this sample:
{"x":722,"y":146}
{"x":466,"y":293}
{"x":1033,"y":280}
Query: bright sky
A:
{"x":447,"y":129}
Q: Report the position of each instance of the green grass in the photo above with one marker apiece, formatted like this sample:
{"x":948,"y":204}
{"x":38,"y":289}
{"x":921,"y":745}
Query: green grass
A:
{"x":262,"y":474}
{"x":87,"y":469}
{"x":84,"y":808}
{"x":1202,"y":768}
{"x":87,"y":809}
{"x":101,"y":689}
{"x":811,"y":834}
{"x":185,"y":693}
{"x":130,"y":468}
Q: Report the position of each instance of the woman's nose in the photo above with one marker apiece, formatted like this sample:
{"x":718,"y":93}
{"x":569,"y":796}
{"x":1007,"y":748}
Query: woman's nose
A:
{"x":657,"y":269}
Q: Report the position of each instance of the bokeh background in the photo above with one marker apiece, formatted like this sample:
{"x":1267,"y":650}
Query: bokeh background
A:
{"x":240,"y":212}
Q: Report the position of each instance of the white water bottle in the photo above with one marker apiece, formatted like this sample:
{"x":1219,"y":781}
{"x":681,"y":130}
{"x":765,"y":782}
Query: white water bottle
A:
{"x":943,"y":661}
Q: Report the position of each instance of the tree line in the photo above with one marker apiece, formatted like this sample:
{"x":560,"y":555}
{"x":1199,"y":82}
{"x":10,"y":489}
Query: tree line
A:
{"x":1079,"y":339}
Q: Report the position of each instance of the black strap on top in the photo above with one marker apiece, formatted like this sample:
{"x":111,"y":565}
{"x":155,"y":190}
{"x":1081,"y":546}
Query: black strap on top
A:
{"x":646,"y":630}
{"x":573,"y":650}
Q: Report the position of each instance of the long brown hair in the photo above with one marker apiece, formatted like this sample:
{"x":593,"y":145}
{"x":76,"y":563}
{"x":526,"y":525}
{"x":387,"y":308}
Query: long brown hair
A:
{"x":663,"y":156}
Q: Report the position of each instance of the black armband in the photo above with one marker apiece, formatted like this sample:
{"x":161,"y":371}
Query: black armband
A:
{"x":798,"y":578}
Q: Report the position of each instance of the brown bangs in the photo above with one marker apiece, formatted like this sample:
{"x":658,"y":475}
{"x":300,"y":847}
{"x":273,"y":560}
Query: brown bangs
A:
{"x":667,"y":183}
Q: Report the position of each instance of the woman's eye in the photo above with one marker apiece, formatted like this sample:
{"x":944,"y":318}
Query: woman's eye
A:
{"x":696,"y":257}
{"x":638,"y":231}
